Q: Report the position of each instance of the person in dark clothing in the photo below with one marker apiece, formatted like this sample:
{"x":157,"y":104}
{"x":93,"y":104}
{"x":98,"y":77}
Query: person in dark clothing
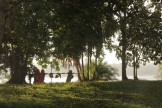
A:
{"x":36,"y":76}
{"x":42,"y":75}
{"x":69,"y":76}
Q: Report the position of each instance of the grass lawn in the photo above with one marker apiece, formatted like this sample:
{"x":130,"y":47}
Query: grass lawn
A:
{"x":123,"y":94}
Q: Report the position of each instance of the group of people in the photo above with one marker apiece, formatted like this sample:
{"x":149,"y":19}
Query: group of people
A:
{"x":39,"y":76}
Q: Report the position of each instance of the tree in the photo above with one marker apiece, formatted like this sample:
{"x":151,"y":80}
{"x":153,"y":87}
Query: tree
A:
{"x":137,"y":31}
{"x":154,"y":39}
{"x":120,"y":9}
{"x":3,"y":17}
{"x":76,"y":28}
{"x":143,"y":28}
{"x":26,"y":37}
{"x":135,"y":28}
{"x":80,"y":32}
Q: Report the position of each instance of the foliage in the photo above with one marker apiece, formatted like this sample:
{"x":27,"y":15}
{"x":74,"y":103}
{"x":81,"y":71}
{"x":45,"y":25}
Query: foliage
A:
{"x":3,"y":16}
{"x":139,"y":27}
{"x":102,"y":71}
{"x":126,"y":94}
{"x":44,"y":29}
{"x":106,"y":72}
{"x":26,"y":37}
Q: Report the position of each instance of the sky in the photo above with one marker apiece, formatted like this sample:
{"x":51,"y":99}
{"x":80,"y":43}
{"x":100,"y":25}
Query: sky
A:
{"x":110,"y":57}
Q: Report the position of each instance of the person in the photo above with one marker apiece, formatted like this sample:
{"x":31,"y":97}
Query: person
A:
{"x":30,"y":77}
{"x":36,"y":76}
{"x":42,"y":75}
{"x":69,"y":76}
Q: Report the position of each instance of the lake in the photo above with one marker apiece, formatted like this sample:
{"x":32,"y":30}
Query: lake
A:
{"x":75,"y":79}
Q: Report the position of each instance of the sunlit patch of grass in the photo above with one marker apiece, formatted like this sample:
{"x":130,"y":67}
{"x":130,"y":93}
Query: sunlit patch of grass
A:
{"x":124,"y":94}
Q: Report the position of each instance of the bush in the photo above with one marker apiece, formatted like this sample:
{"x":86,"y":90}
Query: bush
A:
{"x":106,"y":72}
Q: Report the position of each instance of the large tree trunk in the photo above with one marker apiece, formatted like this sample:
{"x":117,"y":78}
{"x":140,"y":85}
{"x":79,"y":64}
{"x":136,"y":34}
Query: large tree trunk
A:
{"x":136,"y":78}
{"x":136,"y":67}
{"x":3,"y":14}
{"x":124,"y":75}
{"x":134,"y":71}
{"x":18,"y":77}
{"x":135,"y":63}
{"x":18,"y":67}
{"x":124,"y":45}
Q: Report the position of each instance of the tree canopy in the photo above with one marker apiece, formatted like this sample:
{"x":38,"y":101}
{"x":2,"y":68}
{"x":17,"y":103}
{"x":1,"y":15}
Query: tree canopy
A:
{"x":75,"y":29}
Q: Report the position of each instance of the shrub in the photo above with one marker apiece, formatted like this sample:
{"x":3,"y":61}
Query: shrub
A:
{"x":106,"y":72}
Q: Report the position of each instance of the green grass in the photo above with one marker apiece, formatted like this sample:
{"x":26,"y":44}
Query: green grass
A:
{"x":124,"y":94}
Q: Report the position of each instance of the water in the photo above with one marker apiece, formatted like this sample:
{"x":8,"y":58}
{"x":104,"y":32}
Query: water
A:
{"x":142,"y":77}
{"x":75,"y":79}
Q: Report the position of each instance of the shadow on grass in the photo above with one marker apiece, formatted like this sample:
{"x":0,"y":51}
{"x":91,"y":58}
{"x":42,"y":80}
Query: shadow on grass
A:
{"x":124,"y":94}
{"x":68,"y":102}
{"x":146,"y":93}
